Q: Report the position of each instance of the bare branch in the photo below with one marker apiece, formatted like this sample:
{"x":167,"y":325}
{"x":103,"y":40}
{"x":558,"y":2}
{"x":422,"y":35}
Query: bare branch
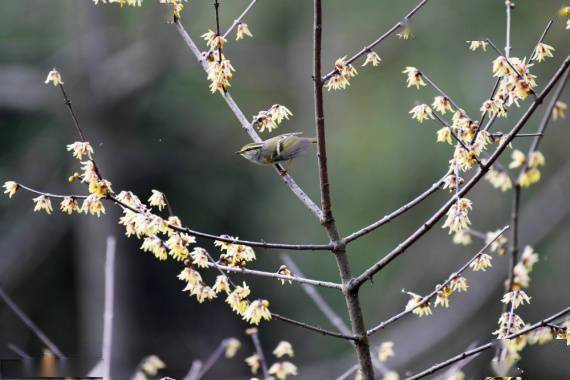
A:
{"x":107,"y":351}
{"x":314,"y":328}
{"x":259,"y":350}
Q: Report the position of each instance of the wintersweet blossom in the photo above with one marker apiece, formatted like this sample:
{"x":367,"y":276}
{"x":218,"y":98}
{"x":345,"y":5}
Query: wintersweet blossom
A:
{"x":68,"y":205}
{"x":93,"y":205}
{"x":405,"y":33}
{"x":442,"y":104}
{"x":421,"y":112}
{"x":462,"y":237}
{"x":54,"y":77}
{"x":222,"y":284}
{"x":256,"y":311}
{"x":199,"y":257}
{"x":283,"y":348}
{"x":444,"y":135}
{"x":458,"y":284}
{"x":498,"y":244}
{"x":10,"y":188}
{"x":232,"y":345}
{"x":283,"y":369}
{"x":284,"y":271}
{"x":373,"y":58}
{"x":559,"y":110}
{"x":481,"y":263}
{"x":157,"y":199}
{"x":516,"y":298}
{"x":543,"y":51}
{"x":80,"y":149}
{"x":242,"y":30}
{"x":442,"y":296}
{"x":43,"y":203}
{"x":414,"y":77}
{"x":422,"y":309}
{"x":154,"y":245}
{"x":529,"y":258}
{"x":457,"y":216}
{"x":343,"y":72}
{"x":499,"y":179}
{"x":385,"y":351}
{"x":220,"y":72}
{"x":213,"y":40}
{"x":474,"y":45}
{"x":254,"y":362}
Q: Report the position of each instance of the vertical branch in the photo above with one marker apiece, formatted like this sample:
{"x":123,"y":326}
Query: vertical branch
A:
{"x":259,"y":350}
{"x":350,"y":293}
{"x":31,"y":325}
{"x":107,"y":353}
{"x":514,"y":234}
{"x":509,"y":6}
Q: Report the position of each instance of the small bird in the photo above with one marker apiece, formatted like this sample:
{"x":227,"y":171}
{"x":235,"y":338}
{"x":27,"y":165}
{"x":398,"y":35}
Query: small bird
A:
{"x":277,"y":149}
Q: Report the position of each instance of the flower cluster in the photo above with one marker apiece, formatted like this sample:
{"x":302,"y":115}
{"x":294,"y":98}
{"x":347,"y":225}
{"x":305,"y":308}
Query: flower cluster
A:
{"x":213,"y":40}
{"x":242,"y":30}
{"x":373,"y":58}
{"x":341,"y":78}
{"x":177,"y":6}
{"x":280,"y":369}
{"x":220,"y":71}
{"x":271,"y":118}
{"x":474,"y":45}
{"x":457,"y":216}
{"x":530,"y":173}
{"x":499,"y":179}
{"x":132,"y":3}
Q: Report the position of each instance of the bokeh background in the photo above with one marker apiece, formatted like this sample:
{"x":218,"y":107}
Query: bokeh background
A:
{"x":143,"y":101}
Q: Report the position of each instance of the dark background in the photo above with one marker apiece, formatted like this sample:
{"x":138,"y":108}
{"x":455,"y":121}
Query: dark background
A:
{"x":143,"y":101}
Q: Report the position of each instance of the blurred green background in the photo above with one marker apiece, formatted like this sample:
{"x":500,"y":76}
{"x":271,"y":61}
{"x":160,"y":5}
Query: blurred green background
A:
{"x":143,"y":102}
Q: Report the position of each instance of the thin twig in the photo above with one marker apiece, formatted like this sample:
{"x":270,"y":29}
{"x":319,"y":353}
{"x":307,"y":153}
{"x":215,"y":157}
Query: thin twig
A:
{"x":18,"y":351}
{"x":389,"y":32}
{"x":194,"y":372}
{"x":259,"y":350}
{"x":456,"y":138}
{"x":212,"y":359}
{"x":31,"y":325}
{"x":314,"y":328}
{"x":107,"y":349}
{"x":394,"y":214}
{"x":486,"y":346}
{"x":426,"y":299}
{"x":414,"y":237}
{"x":442,"y":93}
{"x":305,"y":281}
{"x":317,"y":299}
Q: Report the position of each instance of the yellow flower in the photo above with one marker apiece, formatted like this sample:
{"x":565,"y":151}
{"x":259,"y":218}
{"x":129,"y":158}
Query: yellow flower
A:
{"x":521,"y":279}
{"x":101,"y":189}
{"x":152,"y":364}
{"x":89,"y":172}
{"x":559,"y":110}
{"x":222,"y":284}
{"x":236,"y":299}
{"x":219,"y":72}
{"x":177,"y":244}
{"x":474,"y":45}
{"x":192,"y":278}
{"x":372,"y":58}
{"x":284,"y":270}
{"x":529,"y":258}
{"x":68,"y":205}
{"x":10,"y":188}
{"x":232,"y":345}
{"x":462,"y":237}
{"x":154,"y":245}
{"x":442,"y":104}
{"x":54,"y":77}
{"x":213,"y":40}
{"x":283,"y":348}
{"x":385,"y":351}
{"x":391,"y":375}
{"x":256,"y":311}
{"x":254,"y":362}
{"x":444,"y":135}
{"x":405,"y":33}
{"x":516,"y":298}
{"x":414,"y":77}
{"x":457,"y":216}
{"x":413,"y":303}
{"x":529,"y":177}
{"x":43,"y":203}
{"x":204,"y":293}
{"x":442,"y":296}
{"x":564,"y":11}
{"x":80,"y":149}
{"x":459,"y":284}
{"x":92,"y":205}
{"x":157,"y":199}
{"x":481,"y":263}
{"x":199,"y":257}
{"x":536,"y":159}
{"x":242,"y":30}
{"x":283,"y":369}
{"x":518,"y":159}
{"x":499,"y":179}
{"x":543,"y":51}
{"x":421,"y":112}
{"x":343,"y":72}
{"x":498,"y":245}
{"x":540,"y":335}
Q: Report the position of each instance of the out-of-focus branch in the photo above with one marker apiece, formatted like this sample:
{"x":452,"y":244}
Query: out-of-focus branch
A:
{"x":259,"y":350}
{"x":31,"y":325}
{"x":107,"y":352}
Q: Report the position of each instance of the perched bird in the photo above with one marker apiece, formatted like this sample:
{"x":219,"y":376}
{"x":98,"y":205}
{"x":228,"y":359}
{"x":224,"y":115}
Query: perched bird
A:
{"x":277,"y":149}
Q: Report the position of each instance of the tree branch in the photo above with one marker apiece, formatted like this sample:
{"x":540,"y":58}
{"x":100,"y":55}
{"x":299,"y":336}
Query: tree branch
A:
{"x":486,"y":346}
